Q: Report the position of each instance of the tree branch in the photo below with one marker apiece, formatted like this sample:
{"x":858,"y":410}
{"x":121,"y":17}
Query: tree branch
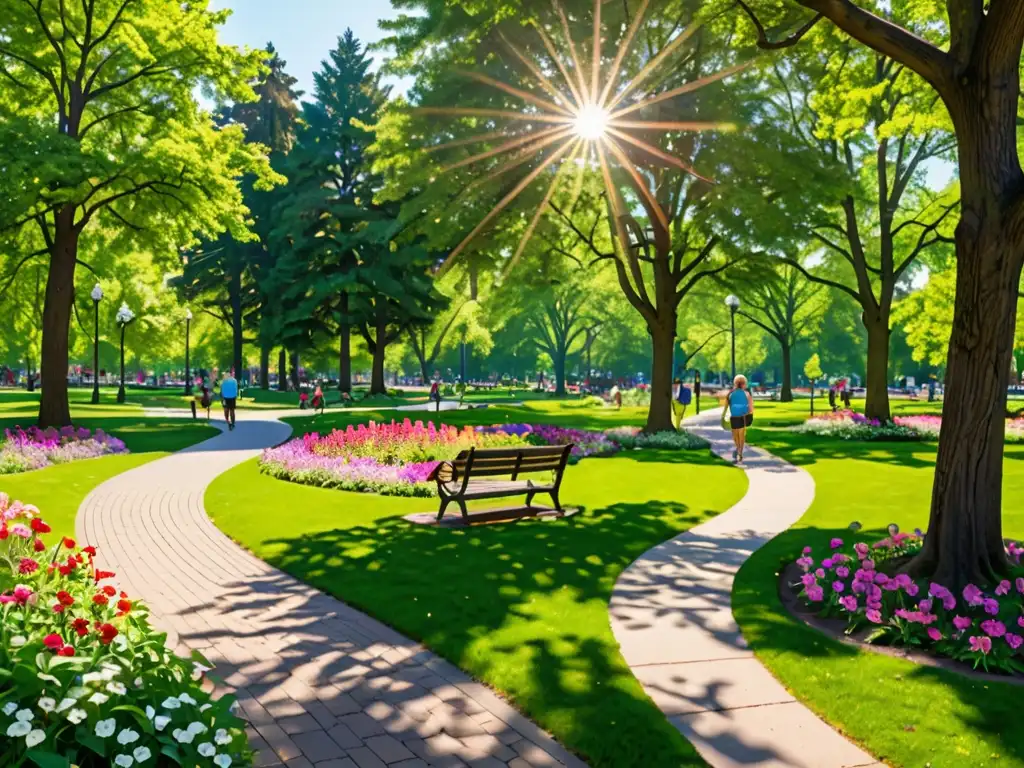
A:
{"x":773,"y":45}
{"x":820,"y":280}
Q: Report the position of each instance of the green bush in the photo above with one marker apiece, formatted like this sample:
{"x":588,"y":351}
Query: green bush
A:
{"x":631,"y":437}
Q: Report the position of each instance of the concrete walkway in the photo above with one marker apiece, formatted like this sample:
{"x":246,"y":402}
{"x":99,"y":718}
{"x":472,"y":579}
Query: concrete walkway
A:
{"x":671,"y":613}
{"x":320,"y":683}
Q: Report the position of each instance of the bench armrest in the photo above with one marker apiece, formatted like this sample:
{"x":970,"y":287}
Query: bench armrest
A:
{"x":443,"y":472}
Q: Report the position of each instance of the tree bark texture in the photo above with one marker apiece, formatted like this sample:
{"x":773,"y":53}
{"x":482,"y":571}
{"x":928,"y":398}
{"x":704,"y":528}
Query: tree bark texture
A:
{"x":282,"y":371}
{"x":876,"y":379}
{"x":60,"y":288}
{"x":377,"y":385}
{"x":264,"y":367}
{"x":659,"y":415}
{"x":786,"y":393}
{"x":294,"y":363}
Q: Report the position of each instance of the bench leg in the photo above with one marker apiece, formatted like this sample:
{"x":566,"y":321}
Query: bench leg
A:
{"x":529,"y":498}
{"x":444,"y":505}
{"x":554,"y":499}
{"x":465,"y":512}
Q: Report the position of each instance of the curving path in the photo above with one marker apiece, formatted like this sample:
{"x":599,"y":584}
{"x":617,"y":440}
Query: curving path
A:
{"x":319,"y":682}
{"x":671,"y":614}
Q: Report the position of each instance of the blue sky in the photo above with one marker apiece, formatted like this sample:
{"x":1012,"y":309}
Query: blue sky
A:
{"x":302,"y":30}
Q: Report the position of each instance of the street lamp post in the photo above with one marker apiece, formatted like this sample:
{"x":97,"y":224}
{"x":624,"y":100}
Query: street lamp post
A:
{"x":97,"y":295}
{"x":124,"y":316}
{"x":188,"y":372}
{"x":733,"y":303}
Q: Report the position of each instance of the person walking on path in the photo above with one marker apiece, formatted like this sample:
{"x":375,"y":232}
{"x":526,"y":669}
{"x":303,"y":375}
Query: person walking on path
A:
{"x":741,"y":414}
{"x":229,"y":396}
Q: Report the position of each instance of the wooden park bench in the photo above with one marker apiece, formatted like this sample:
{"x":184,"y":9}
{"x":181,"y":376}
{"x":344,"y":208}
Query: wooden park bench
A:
{"x":491,"y":473}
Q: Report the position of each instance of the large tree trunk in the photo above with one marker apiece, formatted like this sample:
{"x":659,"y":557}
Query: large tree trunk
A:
{"x":236,"y":324}
{"x":264,"y":367}
{"x":377,"y":384}
{"x":345,"y":348}
{"x":659,"y":416}
{"x":282,"y":371}
{"x":294,"y":361}
{"x":60,"y":288}
{"x":964,"y":542}
{"x":876,"y":403}
{"x":786,"y":394}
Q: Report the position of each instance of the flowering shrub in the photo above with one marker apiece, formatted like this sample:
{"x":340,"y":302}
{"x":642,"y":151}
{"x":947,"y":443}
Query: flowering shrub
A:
{"x":584,"y":443}
{"x":632,"y":437}
{"x":982,"y":628}
{"x":849,"y":425}
{"x":925,"y":425}
{"x":36,"y":448}
{"x":293,"y":461}
{"x":84,"y":678}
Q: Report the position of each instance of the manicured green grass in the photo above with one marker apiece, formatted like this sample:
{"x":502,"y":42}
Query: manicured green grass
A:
{"x":905,"y":714}
{"x":522,"y":607}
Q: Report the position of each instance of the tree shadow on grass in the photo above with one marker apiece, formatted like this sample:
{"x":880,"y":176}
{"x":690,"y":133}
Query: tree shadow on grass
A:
{"x":804,"y":450}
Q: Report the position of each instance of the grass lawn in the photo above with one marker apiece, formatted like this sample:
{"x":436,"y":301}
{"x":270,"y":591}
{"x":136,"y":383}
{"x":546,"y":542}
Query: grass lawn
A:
{"x":59,"y":490}
{"x":522,"y":607}
{"x":905,"y":714}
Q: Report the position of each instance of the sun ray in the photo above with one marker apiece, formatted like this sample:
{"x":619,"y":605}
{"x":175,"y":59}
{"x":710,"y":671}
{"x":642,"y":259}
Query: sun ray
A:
{"x":542,"y":208}
{"x":542,"y":79}
{"x":613,"y":74}
{"x":524,"y":95}
{"x":662,"y":125}
{"x":689,"y":87}
{"x":653,"y":150}
{"x":510,"y":145}
{"x":553,"y":52}
{"x":581,"y":176}
{"x":526,"y":117}
{"x":463,"y":142}
{"x":595,"y":66}
{"x":613,"y":201}
{"x":523,"y":156}
{"x":572,"y":49}
{"x":504,"y":202}
{"x":638,"y":180}
{"x":652,"y":65}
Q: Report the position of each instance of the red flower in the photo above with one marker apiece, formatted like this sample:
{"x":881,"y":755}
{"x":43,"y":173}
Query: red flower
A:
{"x":101,"y":575}
{"x":39,"y":546}
{"x":69,"y":543}
{"x":100,"y":599}
{"x":109,"y":591}
{"x":28,"y":565}
{"x":65,"y":598}
{"x":81,"y":626}
{"x":49,"y":569}
{"x":90,"y":551}
{"x":53,"y":642}
{"x":4,"y":533}
{"x":107,"y":633}
{"x":124,"y":606}
{"x":67,"y":650}
{"x":124,"y":595}
{"x":39,"y":526}
{"x":64,"y":570}
{"x":58,"y":608}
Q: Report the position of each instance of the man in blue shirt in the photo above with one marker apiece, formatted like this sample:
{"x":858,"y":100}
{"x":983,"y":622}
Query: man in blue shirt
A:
{"x":229,"y":394}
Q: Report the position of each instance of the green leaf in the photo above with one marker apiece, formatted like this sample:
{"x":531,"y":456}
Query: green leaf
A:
{"x":170,"y":751}
{"x":138,"y":714}
{"x":47,"y":759}
{"x":90,"y":740}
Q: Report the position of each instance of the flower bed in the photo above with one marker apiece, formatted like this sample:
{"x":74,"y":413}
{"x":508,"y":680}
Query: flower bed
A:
{"x":585,"y":443}
{"x":631,"y":437}
{"x":34,"y":448}
{"x":859,"y":585}
{"x":87,"y":681}
{"x":849,"y":425}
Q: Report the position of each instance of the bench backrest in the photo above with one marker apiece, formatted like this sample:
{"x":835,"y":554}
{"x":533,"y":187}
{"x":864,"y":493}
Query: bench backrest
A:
{"x":489,"y":462}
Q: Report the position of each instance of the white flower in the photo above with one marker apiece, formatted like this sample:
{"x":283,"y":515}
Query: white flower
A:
{"x":171,"y":703}
{"x":10,"y":708}
{"x":161,"y":721}
{"x":17,"y":641}
{"x":222,"y":761}
{"x":98,"y":698}
{"x":117,"y":688}
{"x":92,"y":677}
{"x":66,"y":704}
{"x":196,"y":728}
{"x":142,"y":754}
{"x":125,"y":761}
{"x":109,"y":666}
{"x":205,"y":707}
{"x":206,"y":749}
{"x":125,"y":315}
{"x":25,"y":715}
{"x":77,"y":715}
{"x":127,"y":736}
{"x":77,"y":692}
{"x":138,"y":680}
{"x":47,"y":704}
{"x":150,"y":712}
{"x":222,"y":737}
{"x":121,"y":642}
{"x":48,"y":678}
{"x":184,"y":737}
{"x":184,"y":698}
{"x":19,"y":728}
{"x":105,"y":728}
{"x":35,"y":737}
{"x":200,"y":669}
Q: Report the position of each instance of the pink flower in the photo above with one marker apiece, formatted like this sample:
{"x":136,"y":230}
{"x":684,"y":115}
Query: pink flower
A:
{"x":1003,"y":588}
{"x":1014,"y":641}
{"x":991,"y":606}
{"x":838,"y":586}
{"x":859,"y":587}
{"x":807,"y":550}
{"x":842,"y":571}
{"x":868,"y":565}
{"x":925,"y":605}
{"x":874,"y":616}
{"x":820,"y":573}
{"x":815,"y":594}
{"x":849,"y":603}
{"x":1020,"y":585}
{"x":861,"y":549}
{"x":836,"y":543}
{"x":961,"y":622}
{"x":993,"y":628}
{"x":805,"y":563}
{"x":913,"y":589}
{"x":973,"y":595}
{"x":934,"y":634}
{"x":21,"y":530}
{"x":881,"y":578}
{"x":808,"y":580}
{"x":826,"y":563}
{"x":27,"y":565}
{"x":981,"y":644}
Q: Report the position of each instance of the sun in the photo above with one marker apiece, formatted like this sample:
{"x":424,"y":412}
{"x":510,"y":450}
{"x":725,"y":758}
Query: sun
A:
{"x":591,"y":122}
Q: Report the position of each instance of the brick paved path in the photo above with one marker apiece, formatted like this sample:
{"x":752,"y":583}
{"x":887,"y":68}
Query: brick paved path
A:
{"x":319,"y":682}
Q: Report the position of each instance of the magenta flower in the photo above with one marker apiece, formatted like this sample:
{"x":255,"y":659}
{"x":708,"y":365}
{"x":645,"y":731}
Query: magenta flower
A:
{"x":913,"y":589}
{"x":925,"y":605}
{"x":808,"y":580}
{"x":991,"y":606}
{"x":807,"y":550}
{"x":820,"y":573}
{"x":859,"y":587}
{"x":1003,"y":588}
{"x":961,"y":622}
{"x":874,"y":616}
{"x":815,"y":594}
{"x":842,"y":572}
{"x":934,"y":634}
{"x":836,"y":543}
{"x":949,"y":602}
{"x":1020,"y":622}
{"x":881,"y":578}
{"x":875,"y":605}
{"x":805,"y":563}
{"x":993,"y":628}
{"x":1014,"y":641}
{"x":838,"y":586}
{"x":826,"y":563}
{"x":1020,"y":585}
{"x":973,"y":595}
{"x":849,"y":603}
{"x":874,"y":593}
{"x":868,"y":565}
{"x":861,"y":549}
{"x":981,"y":644}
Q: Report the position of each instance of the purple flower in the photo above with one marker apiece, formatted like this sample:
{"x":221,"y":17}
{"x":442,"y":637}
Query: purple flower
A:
{"x":949,"y":602}
{"x":1003,"y":588}
{"x":815,"y":594}
{"x":836,"y":543}
{"x":981,"y":644}
{"x":1014,"y":641}
{"x":934,"y":634}
{"x":961,"y":622}
{"x":868,"y":565}
{"x":842,"y":572}
{"x":826,"y":563}
{"x":808,"y":579}
{"x":874,"y":592}
{"x":993,"y":628}
{"x":807,"y":550}
{"x":874,"y":616}
{"x":925,"y":605}
{"x":849,"y":603}
{"x":1020,"y":585}
{"x":875,"y":605}
{"x":805,"y":563}
{"x":973,"y":595}
{"x":860,"y":588}
{"x":838,"y":586}
{"x":861,"y":549}
{"x":881,"y":578}
{"x":820,"y":573}
{"x":913,"y":589}
{"x":991,"y":606}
